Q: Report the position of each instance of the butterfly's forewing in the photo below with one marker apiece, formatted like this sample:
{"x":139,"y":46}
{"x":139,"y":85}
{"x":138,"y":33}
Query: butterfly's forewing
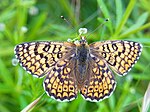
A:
{"x":120,"y":55}
{"x":101,"y":82}
{"x":60,"y":82}
{"x":39,"y":57}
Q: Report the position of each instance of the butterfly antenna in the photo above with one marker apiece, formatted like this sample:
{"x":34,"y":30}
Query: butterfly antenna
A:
{"x":106,"y":20}
{"x":67,"y":21}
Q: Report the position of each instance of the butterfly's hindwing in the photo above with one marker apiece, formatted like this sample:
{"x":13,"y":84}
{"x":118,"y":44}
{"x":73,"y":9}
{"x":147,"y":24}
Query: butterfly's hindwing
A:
{"x":60,"y":82}
{"x":101,"y":82}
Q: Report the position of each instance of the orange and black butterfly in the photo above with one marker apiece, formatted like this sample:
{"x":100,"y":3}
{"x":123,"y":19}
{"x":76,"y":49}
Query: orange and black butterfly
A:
{"x":78,"y":67}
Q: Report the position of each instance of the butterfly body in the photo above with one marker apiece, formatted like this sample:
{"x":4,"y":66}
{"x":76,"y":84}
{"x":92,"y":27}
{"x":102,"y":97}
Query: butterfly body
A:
{"x":81,"y":62}
{"x":71,"y":68}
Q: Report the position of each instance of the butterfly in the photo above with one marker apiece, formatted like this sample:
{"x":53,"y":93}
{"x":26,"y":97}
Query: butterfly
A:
{"x":78,"y":67}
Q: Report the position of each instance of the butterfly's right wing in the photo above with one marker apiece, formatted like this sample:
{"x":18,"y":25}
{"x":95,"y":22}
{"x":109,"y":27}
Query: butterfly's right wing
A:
{"x":100,"y":83}
{"x":38,"y":58}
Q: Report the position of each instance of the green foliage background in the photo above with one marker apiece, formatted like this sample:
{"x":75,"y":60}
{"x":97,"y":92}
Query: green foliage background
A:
{"x":128,"y":20}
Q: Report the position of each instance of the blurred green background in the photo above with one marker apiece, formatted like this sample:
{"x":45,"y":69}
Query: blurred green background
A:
{"x":32,"y":20}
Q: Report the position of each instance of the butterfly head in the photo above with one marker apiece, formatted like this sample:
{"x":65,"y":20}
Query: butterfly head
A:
{"x":83,"y":40}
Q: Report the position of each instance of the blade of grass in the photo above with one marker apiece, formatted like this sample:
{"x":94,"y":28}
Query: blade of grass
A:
{"x":125,"y":17}
{"x":141,"y":77}
{"x":32,"y":104}
{"x":134,"y":31}
{"x":105,"y":11}
{"x":102,"y":107}
{"x":36,"y":25}
{"x":119,"y":11}
{"x":8,"y":13}
{"x":67,"y":7}
{"x":5,"y":74}
{"x":112,"y":102}
{"x":122,"y":98}
{"x":74,"y":105}
{"x":141,"y":20}
{"x":146,"y":100}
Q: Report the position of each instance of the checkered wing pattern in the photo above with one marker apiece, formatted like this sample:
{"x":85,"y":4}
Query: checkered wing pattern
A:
{"x":101,"y":83}
{"x":120,"y":55}
{"x":39,"y":57}
{"x":60,"y":81}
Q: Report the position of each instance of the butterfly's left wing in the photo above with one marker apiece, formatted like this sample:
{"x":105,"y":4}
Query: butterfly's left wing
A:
{"x":60,"y":82}
{"x":120,"y":55}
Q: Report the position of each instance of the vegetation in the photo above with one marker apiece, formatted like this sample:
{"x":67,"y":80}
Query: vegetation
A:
{"x":31,"y":20}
